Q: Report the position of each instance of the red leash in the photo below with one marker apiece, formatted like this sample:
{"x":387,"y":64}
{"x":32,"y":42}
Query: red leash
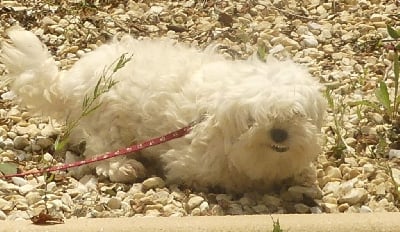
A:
{"x":123,"y":151}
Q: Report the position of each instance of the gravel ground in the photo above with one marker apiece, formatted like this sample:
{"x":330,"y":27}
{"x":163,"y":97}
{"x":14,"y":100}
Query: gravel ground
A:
{"x":338,"y":40}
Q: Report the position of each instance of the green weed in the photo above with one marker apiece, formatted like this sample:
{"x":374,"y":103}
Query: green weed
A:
{"x":387,"y":104}
{"x":276,"y":225}
{"x":90,"y":101}
{"x":339,"y":109}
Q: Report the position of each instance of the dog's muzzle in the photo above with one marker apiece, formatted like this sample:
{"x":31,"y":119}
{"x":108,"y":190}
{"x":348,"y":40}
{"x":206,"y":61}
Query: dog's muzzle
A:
{"x":279,"y":136}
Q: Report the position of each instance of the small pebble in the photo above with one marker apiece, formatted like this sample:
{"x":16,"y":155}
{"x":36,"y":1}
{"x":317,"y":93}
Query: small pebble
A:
{"x":301,"y":208}
{"x":354,"y":196}
{"x":204,"y":208}
{"x":26,"y":188}
{"x":365,"y":209}
{"x":19,"y":181}
{"x":153,"y":182}
{"x":310,"y":41}
{"x":3,"y":216}
{"x":5,"y":205}
{"x":333,"y":172}
{"x":217,"y":210}
{"x":195,"y":201}
{"x":48,"y":157}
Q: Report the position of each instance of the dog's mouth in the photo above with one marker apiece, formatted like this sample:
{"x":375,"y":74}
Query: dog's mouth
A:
{"x":279,"y":148}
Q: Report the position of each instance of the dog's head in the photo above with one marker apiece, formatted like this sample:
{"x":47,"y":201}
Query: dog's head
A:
{"x":271,"y":125}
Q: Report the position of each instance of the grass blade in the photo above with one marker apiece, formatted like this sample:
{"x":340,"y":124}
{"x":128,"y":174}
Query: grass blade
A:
{"x":368,"y":104}
{"x":396,"y":81}
{"x":382,"y":94}
{"x":392,"y":32}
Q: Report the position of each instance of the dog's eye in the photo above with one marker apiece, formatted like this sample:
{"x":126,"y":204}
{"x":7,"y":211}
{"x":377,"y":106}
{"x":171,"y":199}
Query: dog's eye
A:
{"x":299,"y":113}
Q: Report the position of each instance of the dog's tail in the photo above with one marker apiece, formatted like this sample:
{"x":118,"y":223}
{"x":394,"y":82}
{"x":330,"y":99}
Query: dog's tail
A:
{"x":32,"y":72}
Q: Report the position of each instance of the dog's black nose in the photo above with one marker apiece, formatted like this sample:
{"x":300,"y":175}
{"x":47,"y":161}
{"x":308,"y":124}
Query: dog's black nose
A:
{"x":278,"y":135}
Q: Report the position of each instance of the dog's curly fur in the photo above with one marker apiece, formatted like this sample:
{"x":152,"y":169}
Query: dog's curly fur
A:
{"x":261,"y":121}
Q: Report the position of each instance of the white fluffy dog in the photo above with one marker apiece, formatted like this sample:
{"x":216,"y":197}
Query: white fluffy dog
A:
{"x":261,"y":121}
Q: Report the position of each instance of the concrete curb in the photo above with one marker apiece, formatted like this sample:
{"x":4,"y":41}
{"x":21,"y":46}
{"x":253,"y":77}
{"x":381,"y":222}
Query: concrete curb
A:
{"x":372,"y":222}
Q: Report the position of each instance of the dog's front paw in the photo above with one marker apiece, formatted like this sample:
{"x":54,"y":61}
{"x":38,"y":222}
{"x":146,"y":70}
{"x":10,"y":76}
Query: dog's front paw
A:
{"x":123,"y":171}
{"x":307,"y":177}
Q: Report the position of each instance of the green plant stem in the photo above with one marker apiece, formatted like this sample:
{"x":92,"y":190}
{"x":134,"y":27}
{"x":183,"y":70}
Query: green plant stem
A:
{"x":396,"y":83}
{"x":103,"y":85}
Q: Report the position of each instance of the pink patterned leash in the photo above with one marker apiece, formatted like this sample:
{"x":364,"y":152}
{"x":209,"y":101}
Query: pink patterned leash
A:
{"x":123,"y":151}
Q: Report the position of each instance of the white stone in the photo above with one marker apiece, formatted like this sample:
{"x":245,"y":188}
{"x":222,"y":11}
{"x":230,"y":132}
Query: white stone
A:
{"x":153,"y":182}
{"x":46,"y":21}
{"x":49,"y":131}
{"x":63,"y":23}
{"x":56,"y":204}
{"x":51,"y":187}
{"x":155,"y":10}
{"x":163,"y":197}
{"x":8,"y":95}
{"x":25,"y":189}
{"x":368,"y":169}
{"x":7,"y":144}
{"x":3,"y":216}
{"x":330,"y":208}
{"x":396,"y":175}
{"x":346,"y":186}
{"x":333,"y":172}
{"x":6,"y":205}
{"x":365,"y":209}
{"x":136,"y":188}
{"x":89,"y":182}
{"x":170,"y":209}
{"x":394,"y":153}
{"x":290,"y":42}
{"x":114,"y":203}
{"x":13,"y":112}
{"x":343,"y":207}
{"x":19,"y":181}
{"x":331,"y":187}
{"x":354,"y":196}
{"x":260,"y":209}
{"x":195,"y":201}
{"x":316,"y":210}
{"x":31,"y":130}
{"x":376,"y":18}
{"x":314,"y":26}
{"x":8,"y":186}
{"x":195,"y":212}
{"x":276,"y":49}
{"x":216,"y":210}
{"x":152,"y":213}
{"x":204,"y":208}
{"x":301,"y":208}
{"x":33,"y":197}
{"x":48,"y":157}
{"x":309,"y":41}
{"x":126,"y":207}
